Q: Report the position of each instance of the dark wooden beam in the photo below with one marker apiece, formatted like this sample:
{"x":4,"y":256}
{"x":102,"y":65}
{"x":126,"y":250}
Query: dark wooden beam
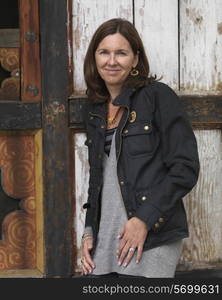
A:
{"x":204,"y":112}
{"x":205,"y":273}
{"x":9,"y":38}
{"x":75,"y":112}
{"x":30,"y":52}
{"x":17,"y":115}
{"x":57,"y":205}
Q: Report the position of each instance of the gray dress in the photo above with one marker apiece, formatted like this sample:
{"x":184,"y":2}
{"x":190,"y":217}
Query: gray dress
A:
{"x":157,"y":262}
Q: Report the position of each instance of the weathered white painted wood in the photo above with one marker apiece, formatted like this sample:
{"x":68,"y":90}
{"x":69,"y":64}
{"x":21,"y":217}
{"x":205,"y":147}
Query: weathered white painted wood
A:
{"x":87,"y":16}
{"x":200,"y":47}
{"x":81,"y":188}
{"x":157,"y":23}
{"x":201,"y":64}
{"x":203,"y":205}
{"x":203,"y":248}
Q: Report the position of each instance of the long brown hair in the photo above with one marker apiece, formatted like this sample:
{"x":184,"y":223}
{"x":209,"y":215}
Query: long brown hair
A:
{"x":96,"y":88}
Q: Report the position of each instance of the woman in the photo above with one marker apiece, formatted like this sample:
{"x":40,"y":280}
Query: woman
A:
{"x":143,"y":159}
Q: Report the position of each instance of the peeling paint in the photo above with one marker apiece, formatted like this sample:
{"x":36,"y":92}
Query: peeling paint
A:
{"x":219,"y":28}
{"x":219,"y":86}
{"x":194,"y":15}
{"x":53,"y":110}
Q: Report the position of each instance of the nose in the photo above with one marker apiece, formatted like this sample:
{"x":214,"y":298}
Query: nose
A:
{"x":112,"y":59}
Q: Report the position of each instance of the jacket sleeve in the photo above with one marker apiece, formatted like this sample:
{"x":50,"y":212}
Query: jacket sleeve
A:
{"x":179,"y":154}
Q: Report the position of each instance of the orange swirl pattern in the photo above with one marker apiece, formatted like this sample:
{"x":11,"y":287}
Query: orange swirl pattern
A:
{"x":10,"y":86}
{"x":18,"y":179}
{"x":28,"y":205}
{"x":9,"y":59}
{"x":14,"y":149}
{"x":18,"y":244}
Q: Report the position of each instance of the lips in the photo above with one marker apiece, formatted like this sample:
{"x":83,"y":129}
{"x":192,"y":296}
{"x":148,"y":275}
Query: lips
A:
{"x":112,"y":70}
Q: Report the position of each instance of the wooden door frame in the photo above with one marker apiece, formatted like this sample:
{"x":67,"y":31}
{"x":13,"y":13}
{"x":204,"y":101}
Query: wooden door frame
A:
{"x":56,"y":135}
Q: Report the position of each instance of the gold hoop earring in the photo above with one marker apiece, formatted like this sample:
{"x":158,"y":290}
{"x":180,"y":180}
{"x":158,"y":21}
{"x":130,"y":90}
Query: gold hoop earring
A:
{"x":134,"y":72}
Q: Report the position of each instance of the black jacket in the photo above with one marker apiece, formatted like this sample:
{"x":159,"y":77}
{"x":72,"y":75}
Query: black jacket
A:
{"x":157,"y":161}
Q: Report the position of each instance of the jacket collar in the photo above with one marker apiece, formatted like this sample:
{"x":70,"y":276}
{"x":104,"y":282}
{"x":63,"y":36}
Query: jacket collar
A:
{"x":123,"y":99}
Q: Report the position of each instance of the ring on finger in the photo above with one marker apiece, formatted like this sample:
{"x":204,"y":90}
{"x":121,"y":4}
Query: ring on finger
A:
{"x":132,"y":249}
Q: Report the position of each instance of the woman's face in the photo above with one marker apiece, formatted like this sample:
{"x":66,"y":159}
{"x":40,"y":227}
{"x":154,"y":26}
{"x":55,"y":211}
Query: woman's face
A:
{"x":114,"y":60}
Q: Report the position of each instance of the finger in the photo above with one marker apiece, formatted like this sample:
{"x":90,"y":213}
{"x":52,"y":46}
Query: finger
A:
{"x":87,"y":267}
{"x":85,"y":271}
{"x":123,"y":254}
{"x":122,"y":244}
{"x":86,"y":253}
{"x":129,"y":256}
{"x":139,"y":253}
{"x":121,"y":233}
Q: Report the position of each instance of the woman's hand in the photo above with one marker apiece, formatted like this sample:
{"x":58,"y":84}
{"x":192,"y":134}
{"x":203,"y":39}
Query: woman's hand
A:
{"x":87,"y":262}
{"x":132,"y":236}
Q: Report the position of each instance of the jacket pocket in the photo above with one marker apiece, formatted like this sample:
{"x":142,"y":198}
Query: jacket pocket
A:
{"x":140,"y":138}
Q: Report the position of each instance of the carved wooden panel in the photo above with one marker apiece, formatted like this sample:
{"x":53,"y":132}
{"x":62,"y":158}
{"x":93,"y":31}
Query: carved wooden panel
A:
{"x":9,"y":62}
{"x":18,"y":243}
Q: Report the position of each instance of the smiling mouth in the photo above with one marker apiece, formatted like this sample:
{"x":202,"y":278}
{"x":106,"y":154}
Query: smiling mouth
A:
{"x":112,"y":70}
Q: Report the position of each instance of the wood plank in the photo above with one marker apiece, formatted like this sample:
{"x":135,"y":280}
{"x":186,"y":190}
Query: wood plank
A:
{"x":40,"y":259}
{"x":70,"y":44}
{"x":17,"y":115}
{"x":157,"y":23}
{"x":30,"y":56}
{"x":87,"y":16}
{"x":202,"y":249}
{"x":81,"y":168}
{"x":57,"y":203}
{"x":200,"y":46}
{"x":9,"y":38}
{"x":21,"y":274}
{"x":204,"y":112}
{"x":204,"y":273}
{"x":76,"y":106}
